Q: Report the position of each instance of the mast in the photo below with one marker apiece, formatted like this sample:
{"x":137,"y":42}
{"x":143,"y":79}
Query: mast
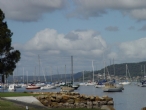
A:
{"x":43,"y":72}
{"x":93,"y":70}
{"x":51,"y":74}
{"x":58,"y":74}
{"x":104,"y":70}
{"x":65,"y":73}
{"x":144,"y":70}
{"x":23,"y":74}
{"x":35,"y":75}
{"x":83,"y":76}
{"x":126,"y":71}
{"x":72,"y":68}
{"x":27,"y":76}
{"x":114,"y":66}
{"x":39,"y":68}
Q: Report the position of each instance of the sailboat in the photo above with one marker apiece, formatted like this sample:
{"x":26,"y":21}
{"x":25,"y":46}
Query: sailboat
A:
{"x":126,"y":82}
{"x":90,"y":83}
{"x":101,"y":83}
{"x":82,"y":83}
{"x":112,"y":87}
{"x":69,"y":87}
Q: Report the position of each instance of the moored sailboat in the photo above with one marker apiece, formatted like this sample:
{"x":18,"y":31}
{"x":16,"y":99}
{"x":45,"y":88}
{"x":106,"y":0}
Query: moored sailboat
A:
{"x":112,"y":87}
{"x":126,"y":81}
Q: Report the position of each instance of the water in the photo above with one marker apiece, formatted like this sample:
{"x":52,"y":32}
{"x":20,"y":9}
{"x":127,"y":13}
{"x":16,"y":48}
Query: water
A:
{"x":133,"y":97}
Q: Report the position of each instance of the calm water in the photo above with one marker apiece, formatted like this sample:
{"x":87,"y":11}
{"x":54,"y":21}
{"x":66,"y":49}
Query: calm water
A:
{"x":133,"y":97}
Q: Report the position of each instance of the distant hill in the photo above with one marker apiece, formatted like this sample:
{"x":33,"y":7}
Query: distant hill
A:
{"x":135,"y":69}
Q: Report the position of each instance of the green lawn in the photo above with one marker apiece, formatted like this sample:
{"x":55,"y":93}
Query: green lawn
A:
{"x":15,"y":94}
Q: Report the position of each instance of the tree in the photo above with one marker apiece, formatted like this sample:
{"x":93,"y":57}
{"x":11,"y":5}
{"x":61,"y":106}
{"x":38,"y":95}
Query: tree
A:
{"x":8,"y":56}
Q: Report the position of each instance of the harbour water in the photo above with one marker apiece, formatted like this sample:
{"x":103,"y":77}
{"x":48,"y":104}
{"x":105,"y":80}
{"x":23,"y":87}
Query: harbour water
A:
{"x":133,"y":97}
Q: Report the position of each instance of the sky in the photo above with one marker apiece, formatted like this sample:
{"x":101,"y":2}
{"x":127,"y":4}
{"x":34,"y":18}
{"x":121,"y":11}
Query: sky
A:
{"x":96,"y":33}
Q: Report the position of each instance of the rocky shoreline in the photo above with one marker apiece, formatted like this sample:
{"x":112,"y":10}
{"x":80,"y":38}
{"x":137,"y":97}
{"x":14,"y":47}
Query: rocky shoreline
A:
{"x":74,"y":100}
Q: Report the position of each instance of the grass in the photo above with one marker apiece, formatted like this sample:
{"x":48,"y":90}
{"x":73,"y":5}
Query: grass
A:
{"x":15,"y":94}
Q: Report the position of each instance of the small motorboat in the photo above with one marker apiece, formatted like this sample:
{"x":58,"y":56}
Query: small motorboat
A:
{"x":11,"y":87}
{"x":48,"y":86}
{"x":33,"y":86}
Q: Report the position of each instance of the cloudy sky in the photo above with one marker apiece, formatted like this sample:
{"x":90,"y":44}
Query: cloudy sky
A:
{"x":49,"y":32}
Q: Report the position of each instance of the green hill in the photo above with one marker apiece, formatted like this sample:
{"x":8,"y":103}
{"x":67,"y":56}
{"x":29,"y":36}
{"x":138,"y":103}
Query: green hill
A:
{"x":135,"y":69}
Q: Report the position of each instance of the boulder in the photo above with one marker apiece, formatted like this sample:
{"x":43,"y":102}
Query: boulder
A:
{"x":70,"y":101}
{"x":106,"y":107}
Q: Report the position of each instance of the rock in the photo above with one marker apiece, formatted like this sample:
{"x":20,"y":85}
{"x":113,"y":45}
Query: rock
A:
{"x":106,"y":107}
{"x":77,"y":100}
{"x":97,"y":98}
{"x":95,"y":102}
{"x":103,"y":102}
{"x":96,"y":106}
{"x":144,"y":108}
{"x":58,"y":98}
{"x":64,"y":98}
{"x":110,"y":102}
{"x":83,"y":101}
{"x":92,"y":98}
{"x":89,"y":103}
{"x":101,"y":99}
{"x":45,"y":102}
{"x":71,"y":101}
{"x":71,"y":106}
{"x":65,"y":105}
{"x":54,"y":104}
{"x":52,"y":99}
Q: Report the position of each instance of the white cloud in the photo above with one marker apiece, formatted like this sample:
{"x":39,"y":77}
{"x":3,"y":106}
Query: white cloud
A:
{"x":113,"y":55}
{"x":50,"y":41}
{"x":95,"y":8}
{"x":33,"y":10}
{"x":29,"y":10}
{"x":133,"y":49}
{"x":139,"y":14}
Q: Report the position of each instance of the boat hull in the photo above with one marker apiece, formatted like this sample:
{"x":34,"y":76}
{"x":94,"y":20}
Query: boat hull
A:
{"x":99,"y":86}
{"x":125,"y":83}
{"x":112,"y":90}
{"x":33,"y":87}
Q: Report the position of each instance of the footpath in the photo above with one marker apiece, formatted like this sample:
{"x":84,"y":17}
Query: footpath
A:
{"x":28,"y":101}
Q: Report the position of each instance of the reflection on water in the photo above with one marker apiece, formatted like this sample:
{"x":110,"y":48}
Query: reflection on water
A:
{"x":133,"y":97}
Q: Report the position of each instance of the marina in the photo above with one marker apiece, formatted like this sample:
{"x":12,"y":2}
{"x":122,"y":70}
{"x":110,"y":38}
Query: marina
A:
{"x":131,"y":98}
